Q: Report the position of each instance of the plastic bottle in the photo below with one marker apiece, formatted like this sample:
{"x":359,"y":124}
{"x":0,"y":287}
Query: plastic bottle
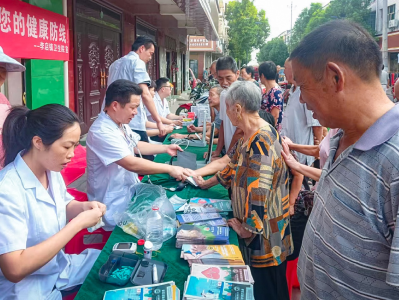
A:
{"x":154,"y":228}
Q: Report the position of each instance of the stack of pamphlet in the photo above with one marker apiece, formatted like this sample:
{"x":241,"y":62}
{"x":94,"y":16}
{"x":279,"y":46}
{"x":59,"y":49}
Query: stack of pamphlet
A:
{"x":192,"y":218}
{"x":212,"y":254}
{"x":206,"y":205}
{"x":215,"y":222}
{"x":200,"y":235}
{"x":202,"y":288}
{"x":224,"y":273}
{"x":160,"y":291}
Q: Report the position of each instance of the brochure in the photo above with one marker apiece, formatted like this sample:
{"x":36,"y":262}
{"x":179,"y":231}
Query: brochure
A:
{"x":193,"y":234}
{"x":212,"y":254}
{"x":204,"y":205}
{"x":225,"y":273}
{"x":201,"y":288}
{"x":190,"y":218}
{"x":161,"y":291}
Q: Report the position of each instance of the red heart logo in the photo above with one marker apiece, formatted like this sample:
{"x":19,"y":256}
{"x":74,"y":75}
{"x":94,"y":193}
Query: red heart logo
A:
{"x":212,"y":273}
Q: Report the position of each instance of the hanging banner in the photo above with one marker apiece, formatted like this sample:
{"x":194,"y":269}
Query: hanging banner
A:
{"x":28,"y":31}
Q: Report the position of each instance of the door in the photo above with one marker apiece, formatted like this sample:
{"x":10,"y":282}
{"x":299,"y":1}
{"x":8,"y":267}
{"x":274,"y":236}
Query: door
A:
{"x":97,"y":47}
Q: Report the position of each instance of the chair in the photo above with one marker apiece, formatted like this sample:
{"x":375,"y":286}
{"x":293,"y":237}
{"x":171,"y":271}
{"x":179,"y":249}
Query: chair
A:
{"x":292,"y":278}
{"x":76,"y":245}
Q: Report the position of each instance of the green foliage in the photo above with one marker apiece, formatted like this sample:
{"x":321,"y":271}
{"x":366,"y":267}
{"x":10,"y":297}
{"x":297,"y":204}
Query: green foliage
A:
{"x":299,"y":29}
{"x":275,"y":50}
{"x":310,"y":18}
{"x":249,"y":29}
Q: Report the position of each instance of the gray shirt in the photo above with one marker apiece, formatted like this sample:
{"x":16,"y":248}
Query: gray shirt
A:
{"x":384,"y":77}
{"x":297,"y":124}
{"x":350,"y":248}
{"x":131,"y":67}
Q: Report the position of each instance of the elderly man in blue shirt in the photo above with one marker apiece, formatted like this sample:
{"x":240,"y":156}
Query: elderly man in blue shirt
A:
{"x":350,"y":248}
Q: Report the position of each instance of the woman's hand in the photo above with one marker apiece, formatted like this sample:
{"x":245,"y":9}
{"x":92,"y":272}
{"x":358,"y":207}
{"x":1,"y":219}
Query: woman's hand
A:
{"x":238,"y":228}
{"x":289,"y":159}
{"x":178,"y":173}
{"x":200,"y":181}
{"x":178,"y":122}
{"x":288,"y":141}
{"x":292,"y":210}
{"x":87,"y":205}
{"x":191,"y":128}
{"x":189,"y":172}
{"x":88,"y":218}
{"x":173,"y":149}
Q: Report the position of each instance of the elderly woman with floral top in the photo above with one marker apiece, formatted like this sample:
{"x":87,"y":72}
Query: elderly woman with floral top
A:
{"x":259,"y":180}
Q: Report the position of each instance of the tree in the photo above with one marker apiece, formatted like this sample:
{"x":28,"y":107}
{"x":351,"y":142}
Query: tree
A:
{"x":275,"y":50}
{"x":248,"y":29}
{"x":299,"y":29}
{"x":310,"y":18}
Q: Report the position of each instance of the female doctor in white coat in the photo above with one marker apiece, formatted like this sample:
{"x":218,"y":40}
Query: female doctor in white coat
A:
{"x":34,"y":206}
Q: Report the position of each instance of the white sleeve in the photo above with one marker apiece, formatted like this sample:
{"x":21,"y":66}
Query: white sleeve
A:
{"x":108,"y":146}
{"x":13,"y":225}
{"x":167,"y":107}
{"x":140,"y":74}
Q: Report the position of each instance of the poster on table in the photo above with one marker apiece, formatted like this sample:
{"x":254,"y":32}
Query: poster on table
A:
{"x":28,"y":31}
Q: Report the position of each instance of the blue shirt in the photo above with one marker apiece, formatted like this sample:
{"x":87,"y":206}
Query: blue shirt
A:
{"x":350,"y":248}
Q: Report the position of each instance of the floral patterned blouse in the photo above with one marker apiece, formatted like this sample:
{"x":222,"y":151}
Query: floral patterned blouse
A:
{"x":272,"y":99}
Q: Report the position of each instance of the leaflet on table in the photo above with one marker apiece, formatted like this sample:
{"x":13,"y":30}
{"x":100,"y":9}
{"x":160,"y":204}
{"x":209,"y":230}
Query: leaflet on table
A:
{"x":213,"y":253}
{"x":201,"y":288}
{"x":215,"y":222}
{"x":177,"y":202}
{"x":225,"y":273}
{"x":204,"y":205}
{"x":190,"y":218}
{"x":161,"y":291}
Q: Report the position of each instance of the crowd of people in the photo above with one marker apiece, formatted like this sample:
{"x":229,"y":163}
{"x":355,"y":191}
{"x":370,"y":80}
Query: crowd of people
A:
{"x":317,"y":179}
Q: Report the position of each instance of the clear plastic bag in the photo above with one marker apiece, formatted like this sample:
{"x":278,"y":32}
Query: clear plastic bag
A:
{"x":133,"y":219}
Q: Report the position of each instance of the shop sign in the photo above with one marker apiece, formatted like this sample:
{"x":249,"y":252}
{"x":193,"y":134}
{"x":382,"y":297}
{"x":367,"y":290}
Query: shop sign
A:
{"x":200,"y":43}
{"x":28,"y":31}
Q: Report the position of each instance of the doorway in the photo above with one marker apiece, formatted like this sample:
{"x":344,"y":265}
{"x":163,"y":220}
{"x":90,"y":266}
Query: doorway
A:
{"x":97,"y":40}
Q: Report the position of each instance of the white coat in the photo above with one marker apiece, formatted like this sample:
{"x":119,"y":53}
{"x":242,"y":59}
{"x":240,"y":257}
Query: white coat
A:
{"x":30,"y":215}
{"x":108,"y":182}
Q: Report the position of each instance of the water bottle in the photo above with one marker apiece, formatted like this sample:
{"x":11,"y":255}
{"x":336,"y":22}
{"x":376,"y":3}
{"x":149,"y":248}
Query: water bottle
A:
{"x":154,"y":228}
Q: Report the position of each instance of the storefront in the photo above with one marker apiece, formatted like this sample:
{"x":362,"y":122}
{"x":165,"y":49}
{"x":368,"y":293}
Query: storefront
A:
{"x":38,"y":37}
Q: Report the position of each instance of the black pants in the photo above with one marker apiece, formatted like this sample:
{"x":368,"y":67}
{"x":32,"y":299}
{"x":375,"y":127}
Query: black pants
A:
{"x":159,"y":139}
{"x":144,"y":138}
{"x":271,"y":283}
{"x":298,"y":224}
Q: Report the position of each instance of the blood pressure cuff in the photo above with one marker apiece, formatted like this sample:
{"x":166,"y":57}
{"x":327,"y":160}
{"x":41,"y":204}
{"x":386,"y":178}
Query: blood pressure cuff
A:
{"x":186,"y":160}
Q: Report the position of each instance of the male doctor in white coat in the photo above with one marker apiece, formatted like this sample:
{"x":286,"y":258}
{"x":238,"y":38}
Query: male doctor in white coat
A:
{"x":112,"y":146}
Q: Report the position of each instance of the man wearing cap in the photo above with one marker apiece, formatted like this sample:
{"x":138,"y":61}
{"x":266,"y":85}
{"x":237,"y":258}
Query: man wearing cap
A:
{"x":7,"y":64}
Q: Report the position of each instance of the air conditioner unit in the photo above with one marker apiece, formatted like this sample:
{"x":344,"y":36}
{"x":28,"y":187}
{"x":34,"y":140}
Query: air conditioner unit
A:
{"x":392,"y":23}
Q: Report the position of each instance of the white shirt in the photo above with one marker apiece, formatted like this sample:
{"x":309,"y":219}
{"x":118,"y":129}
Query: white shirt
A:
{"x":162,"y":106}
{"x":131,"y":67}
{"x":298,"y":124}
{"x":30,"y":215}
{"x":228,"y":127}
{"x":108,"y":182}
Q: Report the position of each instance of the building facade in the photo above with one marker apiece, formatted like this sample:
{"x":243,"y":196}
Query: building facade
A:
{"x":393,"y":30}
{"x":101,"y":31}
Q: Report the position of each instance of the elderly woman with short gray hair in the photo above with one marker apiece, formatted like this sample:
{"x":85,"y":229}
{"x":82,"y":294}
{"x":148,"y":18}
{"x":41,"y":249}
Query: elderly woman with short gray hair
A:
{"x":258,"y":178}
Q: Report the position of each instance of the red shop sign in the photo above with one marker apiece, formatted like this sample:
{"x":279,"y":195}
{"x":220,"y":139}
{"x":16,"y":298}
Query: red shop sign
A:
{"x":28,"y":31}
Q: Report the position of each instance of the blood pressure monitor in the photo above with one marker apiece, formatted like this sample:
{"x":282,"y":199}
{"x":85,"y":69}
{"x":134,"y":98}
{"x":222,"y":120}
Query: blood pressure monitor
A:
{"x":125,"y":247}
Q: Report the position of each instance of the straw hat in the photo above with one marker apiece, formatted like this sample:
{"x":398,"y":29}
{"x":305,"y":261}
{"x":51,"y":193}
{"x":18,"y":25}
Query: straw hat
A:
{"x":9,"y":63}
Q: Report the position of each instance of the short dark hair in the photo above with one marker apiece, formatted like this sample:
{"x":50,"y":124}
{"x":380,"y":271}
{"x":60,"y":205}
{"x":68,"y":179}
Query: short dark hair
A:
{"x":142,"y":40}
{"x":120,"y":91}
{"x":250,"y":70}
{"x":268,"y":69}
{"x":268,"y":117}
{"x":226,"y":63}
{"x":343,"y":41}
{"x":161,"y":82}
{"x":152,"y":85}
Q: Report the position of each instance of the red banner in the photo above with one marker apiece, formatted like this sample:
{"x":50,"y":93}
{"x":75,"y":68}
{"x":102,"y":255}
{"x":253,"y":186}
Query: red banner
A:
{"x":28,"y":31}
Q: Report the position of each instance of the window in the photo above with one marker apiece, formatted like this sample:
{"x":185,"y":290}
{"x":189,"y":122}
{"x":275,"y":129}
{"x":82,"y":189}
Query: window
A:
{"x":391,"y":12}
{"x":372,"y":18}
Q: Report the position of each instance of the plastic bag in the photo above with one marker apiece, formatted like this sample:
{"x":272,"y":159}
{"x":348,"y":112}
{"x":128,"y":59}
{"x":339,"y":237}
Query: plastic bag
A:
{"x":133,"y":219}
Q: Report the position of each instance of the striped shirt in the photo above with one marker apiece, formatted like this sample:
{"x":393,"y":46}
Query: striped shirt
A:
{"x":258,"y":177}
{"x":350,"y":248}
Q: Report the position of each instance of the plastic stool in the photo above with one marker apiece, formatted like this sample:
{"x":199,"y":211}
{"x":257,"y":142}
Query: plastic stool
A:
{"x":76,"y":245}
{"x":292,"y":278}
